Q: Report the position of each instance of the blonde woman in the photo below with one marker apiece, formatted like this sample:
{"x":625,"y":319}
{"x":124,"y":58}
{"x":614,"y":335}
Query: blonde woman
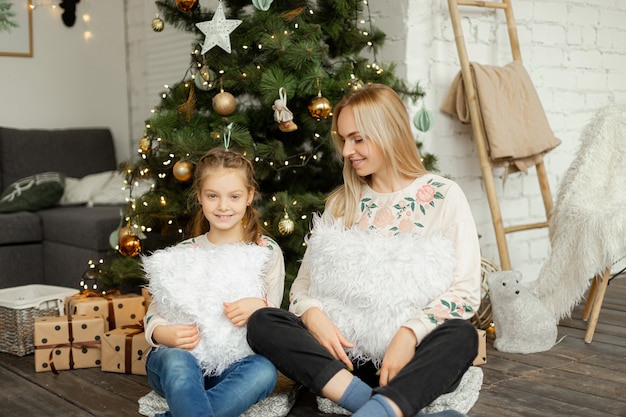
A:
{"x":378,"y":311}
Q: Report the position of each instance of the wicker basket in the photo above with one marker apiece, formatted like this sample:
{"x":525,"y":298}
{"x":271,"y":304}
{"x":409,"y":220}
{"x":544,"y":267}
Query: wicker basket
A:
{"x":484,"y":316}
{"x":18,"y":308}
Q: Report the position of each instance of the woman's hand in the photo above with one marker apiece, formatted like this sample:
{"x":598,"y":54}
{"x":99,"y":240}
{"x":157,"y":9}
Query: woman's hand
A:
{"x":329,"y":336}
{"x":183,"y":336}
{"x":399,"y":352}
{"x":240,"y":311}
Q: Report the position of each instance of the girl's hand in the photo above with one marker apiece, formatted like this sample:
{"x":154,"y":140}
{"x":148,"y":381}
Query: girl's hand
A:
{"x":329,"y":336}
{"x":183,"y":336}
{"x":240,"y":311}
{"x":399,"y":352}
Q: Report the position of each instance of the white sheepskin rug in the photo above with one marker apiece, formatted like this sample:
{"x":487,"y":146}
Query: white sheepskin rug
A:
{"x":588,"y":222}
{"x":384,"y":281}
{"x":189,"y":285}
{"x":462,"y":399}
{"x":277,"y":404}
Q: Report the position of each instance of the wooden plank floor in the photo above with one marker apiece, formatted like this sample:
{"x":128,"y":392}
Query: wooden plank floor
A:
{"x":572,"y":379}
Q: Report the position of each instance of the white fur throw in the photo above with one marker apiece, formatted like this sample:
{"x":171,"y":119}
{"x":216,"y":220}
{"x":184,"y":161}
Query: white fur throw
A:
{"x":189,"y":285}
{"x":588,"y":222}
{"x":370,"y":285}
{"x":522,"y":323}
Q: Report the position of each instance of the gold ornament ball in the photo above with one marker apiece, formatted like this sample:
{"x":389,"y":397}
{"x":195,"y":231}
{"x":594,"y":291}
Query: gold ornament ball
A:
{"x":145,"y":143}
{"x":286,"y":226}
{"x":183,"y":170}
{"x":186,"y":5}
{"x":158,"y":24}
{"x":320,"y":107}
{"x":224,"y":104}
{"x":130,"y":245}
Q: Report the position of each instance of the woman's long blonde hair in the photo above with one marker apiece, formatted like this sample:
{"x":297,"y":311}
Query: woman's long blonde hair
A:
{"x":214,"y":160}
{"x":381,"y":118}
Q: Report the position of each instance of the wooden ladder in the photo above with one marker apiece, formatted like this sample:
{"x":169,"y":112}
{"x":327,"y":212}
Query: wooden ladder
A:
{"x":480,"y":137}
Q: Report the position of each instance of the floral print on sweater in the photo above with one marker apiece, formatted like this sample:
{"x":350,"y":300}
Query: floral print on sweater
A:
{"x":431,"y":204}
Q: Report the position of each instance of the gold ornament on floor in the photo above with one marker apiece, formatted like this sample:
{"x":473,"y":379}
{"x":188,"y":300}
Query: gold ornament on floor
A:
{"x":224,"y":103}
{"x":145,"y":144}
{"x":186,"y":5}
{"x":286,"y":226}
{"x":157,"y":24}
{"x":182,"y":170}
{"x":130,"y":245}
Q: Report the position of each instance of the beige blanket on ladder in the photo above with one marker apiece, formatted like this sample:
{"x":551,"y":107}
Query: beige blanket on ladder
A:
{"x":515,"y":124}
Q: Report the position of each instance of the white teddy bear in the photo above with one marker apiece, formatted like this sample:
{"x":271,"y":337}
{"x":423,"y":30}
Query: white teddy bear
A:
{"x":522,"y":323}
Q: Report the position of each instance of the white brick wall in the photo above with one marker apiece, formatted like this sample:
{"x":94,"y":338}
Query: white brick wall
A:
{"x":574,"y":51}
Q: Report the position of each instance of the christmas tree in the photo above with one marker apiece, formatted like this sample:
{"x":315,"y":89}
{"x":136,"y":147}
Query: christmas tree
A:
{"x":263,"y":78}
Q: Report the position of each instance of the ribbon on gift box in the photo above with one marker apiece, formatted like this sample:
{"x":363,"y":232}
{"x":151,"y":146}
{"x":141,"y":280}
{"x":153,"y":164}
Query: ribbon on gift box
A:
{"x":70,"y":344}
{"x":128,"y":345}
{"x":109,"y":294}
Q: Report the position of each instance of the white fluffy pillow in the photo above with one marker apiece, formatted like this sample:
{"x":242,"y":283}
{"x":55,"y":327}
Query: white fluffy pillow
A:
{"x":383,"y":281}
{"x":189,"y":285}
{"x":103,"y":188}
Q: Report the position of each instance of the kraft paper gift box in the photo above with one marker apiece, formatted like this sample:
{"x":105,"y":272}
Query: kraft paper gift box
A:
{"x":68,"y":342}
{"x":117,"y":309}
{"x":145,"y":293}
{"x":124,"y":350}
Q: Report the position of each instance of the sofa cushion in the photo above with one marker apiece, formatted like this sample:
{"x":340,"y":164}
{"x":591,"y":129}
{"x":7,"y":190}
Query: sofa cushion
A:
{"x":20,"y":227}
{"x":84,"y":227}
{"x":74,"y":152}
{"x":33,"y":193}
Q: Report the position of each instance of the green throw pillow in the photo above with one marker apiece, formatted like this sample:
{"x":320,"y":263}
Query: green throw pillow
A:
{"x":33,"y":193}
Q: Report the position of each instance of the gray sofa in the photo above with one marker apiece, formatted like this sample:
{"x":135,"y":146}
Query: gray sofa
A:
{"x":53,"y":245}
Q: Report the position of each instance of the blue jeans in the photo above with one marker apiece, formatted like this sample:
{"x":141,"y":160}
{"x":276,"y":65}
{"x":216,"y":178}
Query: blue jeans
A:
{"x":440,"y":360}
{"x":175,"y":374}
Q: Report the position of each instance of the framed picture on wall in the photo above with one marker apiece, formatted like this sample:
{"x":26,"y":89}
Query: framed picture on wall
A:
{"x":16,"y":28}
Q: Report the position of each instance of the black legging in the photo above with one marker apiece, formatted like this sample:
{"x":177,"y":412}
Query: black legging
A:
{"x":440,"y":360}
